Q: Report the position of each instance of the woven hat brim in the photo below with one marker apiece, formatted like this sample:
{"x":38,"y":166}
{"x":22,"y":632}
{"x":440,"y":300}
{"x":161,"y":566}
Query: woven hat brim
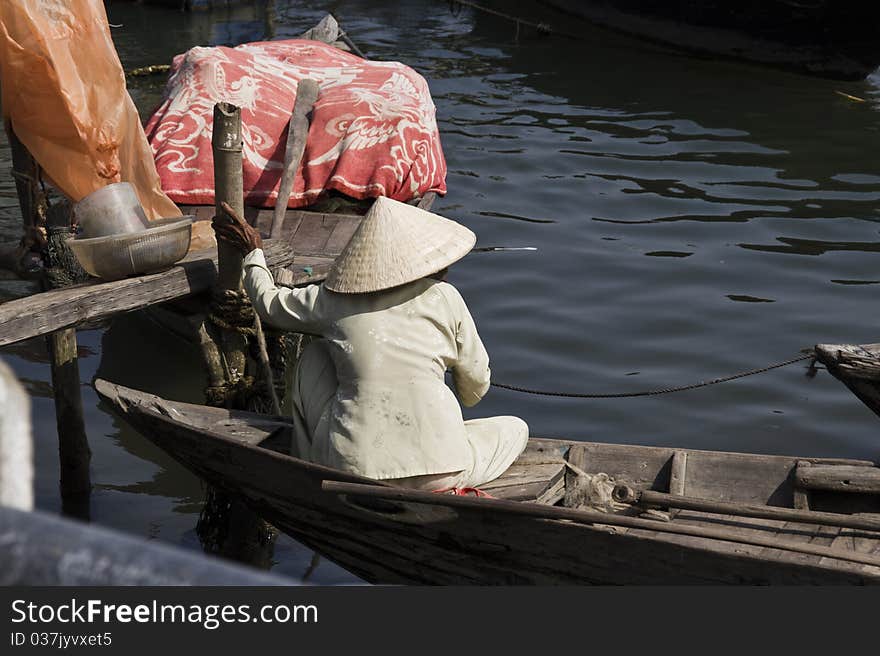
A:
{"x":395,"y":244}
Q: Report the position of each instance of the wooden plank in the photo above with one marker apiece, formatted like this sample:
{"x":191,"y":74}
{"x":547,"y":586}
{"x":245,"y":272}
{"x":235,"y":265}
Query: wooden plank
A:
{"x":800,"y":496}
{"x":44,"y":313}
{"x":313,"y":234}
{"x":678,"y":473}
{"x":341,"y":234}
{"x":677,"y":477}
{"x":525,"y":482}
{"x":306,"y":269}
{"x":554,"y":493}
{"x":643,"y":468}
{"x":857,"y":542}
{"x":541,"y":451}
{"x":839,"y":478}
{"x":740,"y":478}
{"x":261,"y":217}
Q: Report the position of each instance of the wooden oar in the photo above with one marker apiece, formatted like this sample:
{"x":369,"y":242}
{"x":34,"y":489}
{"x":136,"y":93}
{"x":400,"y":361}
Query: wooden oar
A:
{"x":297,"y":134}
{"x":540,"y":511}
{"x":626,"y":494}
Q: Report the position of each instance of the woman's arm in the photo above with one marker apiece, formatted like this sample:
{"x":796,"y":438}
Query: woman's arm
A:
{"x":285,"y":309}
{"x":471,"y":370}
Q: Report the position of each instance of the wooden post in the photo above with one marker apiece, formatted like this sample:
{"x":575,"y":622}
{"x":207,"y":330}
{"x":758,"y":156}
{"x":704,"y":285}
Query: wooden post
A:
{"x":27,"y":260}
{"x":73,"y":446}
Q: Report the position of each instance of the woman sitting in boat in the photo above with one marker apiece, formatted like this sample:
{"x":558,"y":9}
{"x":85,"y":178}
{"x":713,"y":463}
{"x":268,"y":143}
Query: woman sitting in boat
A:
{"x":369,"y":396}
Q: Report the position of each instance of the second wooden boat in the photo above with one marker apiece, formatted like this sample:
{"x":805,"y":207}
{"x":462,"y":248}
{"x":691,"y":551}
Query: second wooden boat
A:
{"x":839,"y":40}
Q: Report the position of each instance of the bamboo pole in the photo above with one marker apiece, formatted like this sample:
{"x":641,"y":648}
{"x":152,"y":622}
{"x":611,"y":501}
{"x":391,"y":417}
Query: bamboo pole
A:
{"x":226,"y":142}
{"x":625,"y":494}
{"x":227,"y":526}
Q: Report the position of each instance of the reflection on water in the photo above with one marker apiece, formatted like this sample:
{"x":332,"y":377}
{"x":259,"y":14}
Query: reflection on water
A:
{"x":691,"y":218}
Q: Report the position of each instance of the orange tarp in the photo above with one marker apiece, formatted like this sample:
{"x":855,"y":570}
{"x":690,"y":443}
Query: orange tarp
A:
{"x":63,"y":88}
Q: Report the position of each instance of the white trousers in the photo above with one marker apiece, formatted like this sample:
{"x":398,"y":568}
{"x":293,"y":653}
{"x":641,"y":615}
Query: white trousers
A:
{"x":311,"y":386}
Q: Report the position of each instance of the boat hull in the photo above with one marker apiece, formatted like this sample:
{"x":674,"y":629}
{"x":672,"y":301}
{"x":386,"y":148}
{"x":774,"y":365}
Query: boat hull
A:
{"x":397,"y":542}
{"x":838,"y":40}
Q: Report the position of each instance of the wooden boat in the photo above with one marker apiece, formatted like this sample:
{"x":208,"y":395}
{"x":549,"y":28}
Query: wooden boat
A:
{"x":732,"y":518}
{"x":837,"y":39}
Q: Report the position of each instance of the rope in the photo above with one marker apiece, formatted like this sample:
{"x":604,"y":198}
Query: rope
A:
{"x":665,"y":390}
{"x":541,"y":28}
{"x":231,"y":310}
{"x":144,"y":71}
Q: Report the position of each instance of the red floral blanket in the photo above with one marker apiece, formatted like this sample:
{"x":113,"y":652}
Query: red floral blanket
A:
{"x":373,"y":130}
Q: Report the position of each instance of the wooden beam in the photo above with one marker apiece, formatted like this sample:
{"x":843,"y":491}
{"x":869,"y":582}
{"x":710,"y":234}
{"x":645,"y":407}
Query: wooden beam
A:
{"x":678,"y":473}
{"x":49,"y":311}
{"x":800,"y":496}
{"x":839,"y":478}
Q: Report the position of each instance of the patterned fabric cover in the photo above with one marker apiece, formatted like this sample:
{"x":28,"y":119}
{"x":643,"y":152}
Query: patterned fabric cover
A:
{"x":373,"y":130}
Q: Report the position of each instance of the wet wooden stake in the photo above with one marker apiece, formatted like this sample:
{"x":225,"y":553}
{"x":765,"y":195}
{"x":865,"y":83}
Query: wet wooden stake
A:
{"x":32,"y":202}
{"x":73,"y":445}
{"x":227,"y":526}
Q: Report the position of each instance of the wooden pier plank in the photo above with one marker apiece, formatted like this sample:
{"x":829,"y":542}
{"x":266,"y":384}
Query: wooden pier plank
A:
{"x":47,"y":312}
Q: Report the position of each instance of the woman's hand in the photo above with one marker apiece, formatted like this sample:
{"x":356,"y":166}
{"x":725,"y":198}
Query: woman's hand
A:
{"x":233,"y":230}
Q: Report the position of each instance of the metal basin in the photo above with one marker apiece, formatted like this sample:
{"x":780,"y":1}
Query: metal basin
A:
{"x":158,"y":247}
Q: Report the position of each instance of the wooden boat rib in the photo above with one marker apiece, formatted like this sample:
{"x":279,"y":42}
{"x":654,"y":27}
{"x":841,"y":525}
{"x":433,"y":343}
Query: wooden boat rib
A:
{"x":534,"y":531}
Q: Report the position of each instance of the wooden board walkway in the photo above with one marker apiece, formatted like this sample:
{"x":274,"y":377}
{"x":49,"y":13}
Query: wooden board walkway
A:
{"x":47,"y":312}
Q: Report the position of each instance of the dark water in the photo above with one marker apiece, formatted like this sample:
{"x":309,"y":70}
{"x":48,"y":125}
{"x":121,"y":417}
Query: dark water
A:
{"x":692,"y":219}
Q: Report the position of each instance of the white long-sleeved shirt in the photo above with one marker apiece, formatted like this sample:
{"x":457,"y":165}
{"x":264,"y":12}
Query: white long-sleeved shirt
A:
{"x":393,"y":415}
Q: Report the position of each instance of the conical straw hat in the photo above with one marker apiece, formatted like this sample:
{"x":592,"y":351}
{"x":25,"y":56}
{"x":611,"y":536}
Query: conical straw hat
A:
{"x":395,"y":244}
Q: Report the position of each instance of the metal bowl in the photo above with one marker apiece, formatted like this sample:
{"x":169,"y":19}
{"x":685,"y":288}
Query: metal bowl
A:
{"x":158,"y":247}
{"x":111,"y":210}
